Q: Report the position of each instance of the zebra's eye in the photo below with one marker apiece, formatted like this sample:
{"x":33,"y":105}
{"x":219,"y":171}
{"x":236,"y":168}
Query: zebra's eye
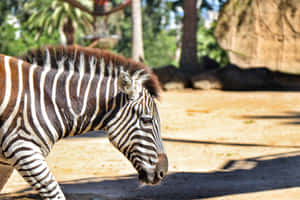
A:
{"x":147,"y":119}
{"x":151,"y":162}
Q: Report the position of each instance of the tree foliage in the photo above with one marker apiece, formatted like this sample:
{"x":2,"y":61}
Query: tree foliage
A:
{"x":51,"y":15}
{"x":16,"y":38}
{"x":159,"y":43}
{"x":159,"y":36}
{"x":207,"y":45}
{"x":11,"y":7}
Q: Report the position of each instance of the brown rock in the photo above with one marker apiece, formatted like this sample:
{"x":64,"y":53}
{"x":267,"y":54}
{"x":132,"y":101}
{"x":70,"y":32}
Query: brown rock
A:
{"x":261,"y":33}
{"x":232,"y":77}
{"x":206,"y":81}
{"x":235,"y":78}
{"x":170,"y":77}
{"x":287,"y":81}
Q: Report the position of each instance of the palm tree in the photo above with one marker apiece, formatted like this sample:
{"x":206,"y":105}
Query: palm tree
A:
{"x":189,"y":60}
{"x":50,"y":15}
{"x":137,"y":50}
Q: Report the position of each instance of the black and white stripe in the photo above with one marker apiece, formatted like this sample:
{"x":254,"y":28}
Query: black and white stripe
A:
{"x":41,"y":104}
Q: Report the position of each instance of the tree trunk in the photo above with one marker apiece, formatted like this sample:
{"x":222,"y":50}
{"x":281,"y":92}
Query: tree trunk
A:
{"x":189,"y":60}
{"x":137,"y":50}
{"x":69,"y":31}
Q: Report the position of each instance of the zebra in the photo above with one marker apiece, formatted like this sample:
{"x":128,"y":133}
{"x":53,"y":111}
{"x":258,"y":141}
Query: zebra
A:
{"x":68,"y":91}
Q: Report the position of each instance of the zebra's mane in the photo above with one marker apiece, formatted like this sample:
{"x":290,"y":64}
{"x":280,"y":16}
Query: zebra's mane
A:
{"x":74,"y":54}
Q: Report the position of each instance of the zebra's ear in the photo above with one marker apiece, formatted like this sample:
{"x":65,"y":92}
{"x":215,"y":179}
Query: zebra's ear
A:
{"x":125,"y":83}
{"x":132,"y":84}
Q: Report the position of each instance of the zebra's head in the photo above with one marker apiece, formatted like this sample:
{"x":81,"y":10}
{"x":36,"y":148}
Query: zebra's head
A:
{"x":135,"y":129}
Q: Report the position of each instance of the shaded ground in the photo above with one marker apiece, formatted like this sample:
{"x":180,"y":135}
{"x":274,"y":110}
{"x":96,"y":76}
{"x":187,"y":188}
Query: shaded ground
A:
{"x":221,"y":145}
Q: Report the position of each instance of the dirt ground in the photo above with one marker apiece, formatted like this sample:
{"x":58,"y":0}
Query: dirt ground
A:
{"x":221,"y":146}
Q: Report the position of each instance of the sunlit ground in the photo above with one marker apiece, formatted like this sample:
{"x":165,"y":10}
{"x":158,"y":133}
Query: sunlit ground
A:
{"x":221,"y":145}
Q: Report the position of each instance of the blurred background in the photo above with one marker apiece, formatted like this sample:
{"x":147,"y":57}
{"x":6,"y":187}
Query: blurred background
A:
{"x":200,"y":44}
{"x":108,"y":24}
{"x":221,"y":143}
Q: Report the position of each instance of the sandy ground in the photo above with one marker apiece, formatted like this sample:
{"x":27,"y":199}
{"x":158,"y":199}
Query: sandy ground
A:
{"x":221,"y":146}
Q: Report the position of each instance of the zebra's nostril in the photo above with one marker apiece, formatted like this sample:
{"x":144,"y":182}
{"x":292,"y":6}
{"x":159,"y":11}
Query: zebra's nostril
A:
{"x":162,"y":166}
{"x":161,"y":174}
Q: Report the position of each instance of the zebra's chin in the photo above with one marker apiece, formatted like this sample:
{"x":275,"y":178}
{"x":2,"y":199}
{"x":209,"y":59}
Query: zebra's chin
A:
{"x":156,"y":175}
{"x":148,"y":178}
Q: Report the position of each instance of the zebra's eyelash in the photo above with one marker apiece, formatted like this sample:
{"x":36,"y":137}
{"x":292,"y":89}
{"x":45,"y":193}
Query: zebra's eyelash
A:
{"x":147,"y":118}
{"x":151,"y":162}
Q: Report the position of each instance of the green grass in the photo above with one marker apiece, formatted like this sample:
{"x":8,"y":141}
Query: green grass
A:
{"x":249,"y":121}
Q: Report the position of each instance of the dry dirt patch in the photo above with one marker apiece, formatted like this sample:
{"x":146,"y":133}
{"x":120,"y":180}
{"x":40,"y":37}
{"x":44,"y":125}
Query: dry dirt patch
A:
{"x":221,"y":145}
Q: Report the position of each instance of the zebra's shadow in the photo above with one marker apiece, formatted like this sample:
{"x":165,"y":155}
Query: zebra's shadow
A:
{"x":270,"y":172}
{"x":286,"y":118}
{"x":266,"y":173}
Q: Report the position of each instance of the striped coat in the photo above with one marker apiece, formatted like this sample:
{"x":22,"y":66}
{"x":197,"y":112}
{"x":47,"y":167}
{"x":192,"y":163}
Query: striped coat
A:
{"x":69,"y":91}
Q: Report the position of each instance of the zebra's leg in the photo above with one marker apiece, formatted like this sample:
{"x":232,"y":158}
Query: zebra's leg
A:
{"x":31,"y":164}
{"x":5,"y":173}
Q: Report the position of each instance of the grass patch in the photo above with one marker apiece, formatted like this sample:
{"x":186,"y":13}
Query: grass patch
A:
{"x":249,"y":121}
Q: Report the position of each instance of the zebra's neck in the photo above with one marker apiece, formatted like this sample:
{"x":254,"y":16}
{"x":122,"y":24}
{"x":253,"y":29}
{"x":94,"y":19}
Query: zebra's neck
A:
{"x":82,"y":102}
{"x":47,"y":104}
{"x":66,"y":103}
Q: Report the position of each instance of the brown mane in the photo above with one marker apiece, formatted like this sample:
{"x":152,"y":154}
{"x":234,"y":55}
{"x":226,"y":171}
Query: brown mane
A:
{"x":72,"y":54}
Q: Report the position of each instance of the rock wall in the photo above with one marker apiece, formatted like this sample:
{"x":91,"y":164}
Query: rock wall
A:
{"x":261,"y":33}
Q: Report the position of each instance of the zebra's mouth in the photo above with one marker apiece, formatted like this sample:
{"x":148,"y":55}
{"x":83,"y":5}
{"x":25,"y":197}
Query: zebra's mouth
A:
{"x":154,"y":176}
{"x":147,"y":178}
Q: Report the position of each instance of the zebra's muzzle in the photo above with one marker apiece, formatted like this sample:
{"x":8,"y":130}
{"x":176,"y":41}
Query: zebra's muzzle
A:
{"x":161,"y":167}
{"x":159,"y":173}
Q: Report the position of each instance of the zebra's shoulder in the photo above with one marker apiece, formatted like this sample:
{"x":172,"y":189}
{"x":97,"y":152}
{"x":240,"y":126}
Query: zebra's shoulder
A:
{"x":75,"y":54}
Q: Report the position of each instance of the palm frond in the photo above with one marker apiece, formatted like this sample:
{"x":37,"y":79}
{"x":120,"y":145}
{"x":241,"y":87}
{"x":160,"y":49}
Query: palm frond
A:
{"x":49,"y":15}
